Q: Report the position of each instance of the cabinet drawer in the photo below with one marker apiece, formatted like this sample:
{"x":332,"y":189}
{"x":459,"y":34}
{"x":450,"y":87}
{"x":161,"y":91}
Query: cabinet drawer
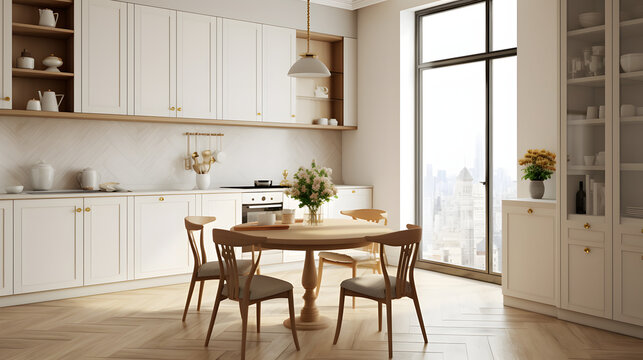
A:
{"x":586,"y":279}
{"x":587,"y":233}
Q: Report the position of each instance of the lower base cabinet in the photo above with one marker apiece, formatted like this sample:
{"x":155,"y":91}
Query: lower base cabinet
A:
{"x":6,"y":248}
{"x":628,"y":274}
{"x":227,"y":209}
{"x":48,"y":244}
{"x":160,"y":239}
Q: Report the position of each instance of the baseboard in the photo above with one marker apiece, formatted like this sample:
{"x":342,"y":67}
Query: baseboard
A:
{"x":575,"y":317}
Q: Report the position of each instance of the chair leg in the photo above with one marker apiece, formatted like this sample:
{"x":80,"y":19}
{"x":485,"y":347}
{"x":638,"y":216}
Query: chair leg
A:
{"x":258,"y":317}
{"x":293,"y":326}
{"x":217,"y":301}
{"x":389,"y":327}
{"x":187,"y":302}
{"x":198,"y":305}
{"x":244,"y":327}
{"x":339,"y":315}
{"x":319,"y":275}
{"x":419,"y":314}
{"x":354,"y":275}
{"x":379,"y":316}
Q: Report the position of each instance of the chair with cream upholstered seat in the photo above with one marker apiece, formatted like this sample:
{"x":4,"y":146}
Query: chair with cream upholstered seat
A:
{"x":384,"y":288}
{"x":246,"y":289}
{"x":354,"y":258}
{"x":203,"y":269}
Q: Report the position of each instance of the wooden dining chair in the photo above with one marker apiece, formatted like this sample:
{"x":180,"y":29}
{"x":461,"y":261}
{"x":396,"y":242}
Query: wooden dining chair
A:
{"x":203,"y":269}
{"x":364,"y":257}
{"x":246,"y":289}
{"x":384,"y":288}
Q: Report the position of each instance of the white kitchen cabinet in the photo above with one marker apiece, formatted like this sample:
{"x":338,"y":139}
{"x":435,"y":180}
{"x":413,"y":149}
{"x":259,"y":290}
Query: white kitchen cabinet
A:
{"x":241,"y":70}
{"x":154,"y":61}
{"x":6,"y":63}
{"x":196,"y":65}
{"x":48,"y":244}
{"x":227,"y":209}
{"x":529,"y":250}
{"x":104,"y":57}
{"x":350,"y":199}
{"x":278,"y":55}
{"x":350,"y":82}
{"x":6,"y":248}
{"x":628,"y":270}
{"x":105,"y":240}
{"x":160,"y":239}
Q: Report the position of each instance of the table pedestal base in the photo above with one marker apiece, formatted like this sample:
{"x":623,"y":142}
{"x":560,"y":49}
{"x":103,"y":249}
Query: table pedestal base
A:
{"x":321,"y":323}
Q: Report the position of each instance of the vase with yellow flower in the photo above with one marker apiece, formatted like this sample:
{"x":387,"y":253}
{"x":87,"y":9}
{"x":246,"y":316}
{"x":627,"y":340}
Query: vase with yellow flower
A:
{"x":538,"y":166}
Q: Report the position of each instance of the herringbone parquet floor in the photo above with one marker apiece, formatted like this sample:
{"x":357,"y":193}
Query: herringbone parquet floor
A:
{"x":465,"y":320}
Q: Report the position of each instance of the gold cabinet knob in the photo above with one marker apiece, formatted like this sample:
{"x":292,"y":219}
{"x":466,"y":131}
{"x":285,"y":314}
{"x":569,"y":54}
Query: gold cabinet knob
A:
{"x":587,"y":226}
{"x":641,"y":231}
{"x":179,"y":109}
{"x":161,"y":198}
{"x":530,"y":211}
{"x":78,"y":210}
{"x":258,"y":113}
{"x":587,"y":250}
{"x":88,"y":209}
{"x":172,"y":108}
{"x":354,"y":191}
{"x":292,"y":115}
{"x":6,"y":98}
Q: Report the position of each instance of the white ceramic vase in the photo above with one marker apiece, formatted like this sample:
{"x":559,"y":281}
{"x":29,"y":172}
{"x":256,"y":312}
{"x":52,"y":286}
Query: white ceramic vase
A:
{"x":203,"y":181}
{"x":536,"y":189}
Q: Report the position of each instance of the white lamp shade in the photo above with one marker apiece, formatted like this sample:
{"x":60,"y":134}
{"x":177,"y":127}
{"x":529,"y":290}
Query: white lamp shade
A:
{"x":308,"y":67}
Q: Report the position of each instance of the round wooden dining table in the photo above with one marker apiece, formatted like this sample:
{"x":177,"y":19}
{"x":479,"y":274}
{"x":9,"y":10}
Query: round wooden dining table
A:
{"x":332,"y":234}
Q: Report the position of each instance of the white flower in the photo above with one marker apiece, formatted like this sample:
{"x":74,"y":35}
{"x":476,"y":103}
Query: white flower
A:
{"x":329,"y":171}
{"x":314,"y":196}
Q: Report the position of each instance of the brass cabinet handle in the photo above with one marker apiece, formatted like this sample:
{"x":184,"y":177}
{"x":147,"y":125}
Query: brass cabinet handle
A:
{"x":172,"y":108}
{"x":258,"y":113}
{"x":161,"y":198}
{"x":78,"y":210}
{"x":587,"y":226}
{"x":292,"y":115}
{"x":354,"y":191}
{"x":587,"y":250}
{"x":88,"y":209}
{"x":530,"y":211}
{"x":179,"y":109}
{"x":6,"y":98}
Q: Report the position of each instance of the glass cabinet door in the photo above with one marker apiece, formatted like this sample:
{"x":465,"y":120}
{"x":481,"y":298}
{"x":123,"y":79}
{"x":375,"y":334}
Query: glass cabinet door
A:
{"x":588,"y":108}
{"x":628,"y":112}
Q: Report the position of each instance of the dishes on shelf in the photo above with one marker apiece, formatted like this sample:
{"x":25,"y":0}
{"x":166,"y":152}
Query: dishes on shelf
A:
{"x":47,"y":17}
{"x":632,"y":62}
{"x":628,"y":110}
{"x":589,"y":19}
{"x":25,"y":61}
{"x":634,"y":212}
{"x":53,"y":63}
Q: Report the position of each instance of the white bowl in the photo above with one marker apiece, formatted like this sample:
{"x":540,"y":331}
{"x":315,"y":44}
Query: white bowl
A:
{"x":590,"y":19}
{"x":632,"y":62}
{"x":15,"y":189}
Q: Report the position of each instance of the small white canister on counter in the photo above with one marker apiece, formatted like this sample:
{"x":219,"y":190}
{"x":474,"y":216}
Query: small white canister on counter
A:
{"x":288,"y":216}
{"x":266,"y":218}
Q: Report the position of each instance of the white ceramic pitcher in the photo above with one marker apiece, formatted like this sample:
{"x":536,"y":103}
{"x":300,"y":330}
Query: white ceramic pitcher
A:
{"x":48,"y":17}
{"x":49,"y":101}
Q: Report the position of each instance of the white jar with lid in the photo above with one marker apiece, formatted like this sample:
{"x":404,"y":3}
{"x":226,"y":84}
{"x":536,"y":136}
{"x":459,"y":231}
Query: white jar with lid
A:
{"x":42,"y":176}
{"x":25,"y":61}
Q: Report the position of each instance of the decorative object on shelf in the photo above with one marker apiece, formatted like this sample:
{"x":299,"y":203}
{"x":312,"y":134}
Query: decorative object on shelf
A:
{"x":25,"y":61}
{"x":322,"y":121}
{"x":88,"y":179}
{"x":588,"y":160}
{"x":539,"y":165}
{"x":48,"y":18}
{"x":285,"y":181}
{"x":42,"y":176}
{"x":14,"y":189}
{"x":590,"y":19}
{"x":313,"y":187}
{"x":600,"y":158}
{"x":581,"y":200}
{"x":49,"y":101}
{"x":34,"y":105}
{"x":601,"y":112}
{"x":592,"y":112}
{"x":308,"y":66}
{"x":52,"y":62}
{"x":333,"y":122}
{"x":628,"y":110}
{"x":321,"y":91}
{"x":632,"y":62}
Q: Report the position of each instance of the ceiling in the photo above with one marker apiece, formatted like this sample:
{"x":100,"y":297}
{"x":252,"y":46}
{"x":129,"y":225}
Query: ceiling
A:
{"x":347,"y":4}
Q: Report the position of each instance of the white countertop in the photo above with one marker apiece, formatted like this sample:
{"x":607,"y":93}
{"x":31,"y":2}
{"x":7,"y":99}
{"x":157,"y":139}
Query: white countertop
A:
{"x":526,"y":201}
{"x":84,"y":194}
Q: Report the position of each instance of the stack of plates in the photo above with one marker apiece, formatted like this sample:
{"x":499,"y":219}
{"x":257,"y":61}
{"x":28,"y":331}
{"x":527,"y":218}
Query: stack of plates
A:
{"x":634,"y":212}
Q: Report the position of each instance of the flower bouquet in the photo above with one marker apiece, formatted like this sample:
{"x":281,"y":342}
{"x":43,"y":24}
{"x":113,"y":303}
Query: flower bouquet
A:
{"x":312,"y":187}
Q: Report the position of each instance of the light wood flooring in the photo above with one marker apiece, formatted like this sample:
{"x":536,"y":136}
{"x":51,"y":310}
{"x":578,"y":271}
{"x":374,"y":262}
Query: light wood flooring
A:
{"x":465,"y":320}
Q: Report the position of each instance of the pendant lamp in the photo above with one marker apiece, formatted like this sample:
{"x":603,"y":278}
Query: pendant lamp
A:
{"x":308,"y":66}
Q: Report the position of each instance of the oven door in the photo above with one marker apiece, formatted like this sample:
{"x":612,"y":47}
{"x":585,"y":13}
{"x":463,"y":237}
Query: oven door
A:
{"x":249,"y":213}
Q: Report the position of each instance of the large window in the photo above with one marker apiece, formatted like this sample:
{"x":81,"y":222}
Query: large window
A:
{"x":466,"y":122}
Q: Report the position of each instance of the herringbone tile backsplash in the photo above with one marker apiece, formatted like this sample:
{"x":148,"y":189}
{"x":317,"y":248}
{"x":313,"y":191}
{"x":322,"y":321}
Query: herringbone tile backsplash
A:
{"x":150,"y":156}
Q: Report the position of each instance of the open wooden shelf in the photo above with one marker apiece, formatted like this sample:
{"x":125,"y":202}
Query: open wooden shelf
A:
{"x":46,"y":3}
{"x":167,"y":120}
{"x":41,"y":74}
{"x":41,"y":31}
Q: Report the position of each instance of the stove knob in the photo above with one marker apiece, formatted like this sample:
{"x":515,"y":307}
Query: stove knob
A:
{"x":263,"y":198}
{"x":253,"y":199}
{"x":271,"y":199}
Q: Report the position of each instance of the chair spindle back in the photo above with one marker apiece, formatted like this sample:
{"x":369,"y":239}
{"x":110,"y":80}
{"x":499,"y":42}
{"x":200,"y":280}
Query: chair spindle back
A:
{"x":192,"y":225}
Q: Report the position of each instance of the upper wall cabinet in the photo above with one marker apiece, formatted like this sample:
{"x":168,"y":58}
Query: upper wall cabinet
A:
{"x":104,"y":57}
{"x":278,"y":55}
{"x":154,"y":61}
{"x":241,"y":83}
{"x":196,"y":66}
{"x":5,"y":72}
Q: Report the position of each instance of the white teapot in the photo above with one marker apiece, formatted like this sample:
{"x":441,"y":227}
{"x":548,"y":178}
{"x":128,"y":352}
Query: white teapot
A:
{"x":48,"y":17}
{"x":49,"y":101}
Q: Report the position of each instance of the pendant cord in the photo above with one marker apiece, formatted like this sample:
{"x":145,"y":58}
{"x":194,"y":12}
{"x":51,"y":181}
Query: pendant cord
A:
{"x":308,"y":27}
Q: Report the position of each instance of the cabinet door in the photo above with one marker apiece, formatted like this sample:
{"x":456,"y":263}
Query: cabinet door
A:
{"x":196,"y":66}
{"x":279,"y":53}
{"x":227,"y":209}
{"x":241,"y":92}
{"x":160,"y":241}
{"x":350,"y":82}
{"x":154,"y":61}
{"x":628,"y":269}
{"x":48,"y":244}
{"x":105,"y":238}
{"x":5,"y":73}
{"x":529,"y":250}
{"x":586,"y":283}
{"x":6,"y":248}
{"x":104,"y":57}
{"x":350,"y":199}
